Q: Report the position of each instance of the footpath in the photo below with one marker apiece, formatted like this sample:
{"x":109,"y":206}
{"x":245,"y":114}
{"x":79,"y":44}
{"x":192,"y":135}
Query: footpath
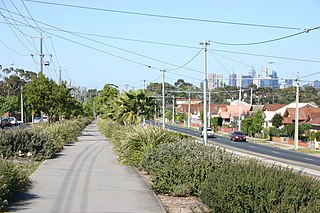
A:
{"x":86,"y":178}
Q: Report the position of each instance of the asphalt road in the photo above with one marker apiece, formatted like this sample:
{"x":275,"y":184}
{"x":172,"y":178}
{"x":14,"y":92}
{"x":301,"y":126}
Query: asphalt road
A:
{"x":291,"y":157}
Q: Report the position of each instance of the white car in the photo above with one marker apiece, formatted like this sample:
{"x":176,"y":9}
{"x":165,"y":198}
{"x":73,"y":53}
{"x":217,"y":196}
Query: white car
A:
{"x":37,"y":120}
{"x":210,"y":133}
{"x":13,"y":121}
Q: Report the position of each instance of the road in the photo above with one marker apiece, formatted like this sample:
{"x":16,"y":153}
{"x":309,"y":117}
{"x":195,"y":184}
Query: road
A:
{"x":287,"y":156}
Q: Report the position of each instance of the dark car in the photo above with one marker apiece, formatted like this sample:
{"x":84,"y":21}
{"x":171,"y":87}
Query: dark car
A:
{"x":237,"y":136}
{"x":6,"y":122}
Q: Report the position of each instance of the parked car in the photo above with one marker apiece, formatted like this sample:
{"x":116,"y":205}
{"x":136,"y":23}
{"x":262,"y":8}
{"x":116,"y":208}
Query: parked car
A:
{"x":45,"y":118}
{"x":13,"y":121}
{"x":1,"y":124}
{"x":210,"y":133}
{"x":237,"y":136}
{"x":37,"y":120}
{"x":6,"y":122}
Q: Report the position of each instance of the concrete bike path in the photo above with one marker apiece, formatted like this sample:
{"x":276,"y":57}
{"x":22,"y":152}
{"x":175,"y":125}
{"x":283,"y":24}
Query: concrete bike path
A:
{"x":85,"y":177}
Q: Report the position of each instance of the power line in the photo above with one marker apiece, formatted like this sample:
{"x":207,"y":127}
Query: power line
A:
{"x":261,"y":42}
{"x":187,"y":61}
{"x":266,"y":56}
{"x":165,"y":16}
{"x":183,"y":46}
{"x":10,"y":24}
{"x":12,"y":49}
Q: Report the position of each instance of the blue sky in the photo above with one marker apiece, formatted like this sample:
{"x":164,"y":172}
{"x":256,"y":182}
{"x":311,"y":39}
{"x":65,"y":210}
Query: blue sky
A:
{"x":118,"y":48}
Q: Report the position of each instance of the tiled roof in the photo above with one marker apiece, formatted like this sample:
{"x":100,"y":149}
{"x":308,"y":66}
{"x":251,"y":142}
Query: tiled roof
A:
{"x":273,"y":107}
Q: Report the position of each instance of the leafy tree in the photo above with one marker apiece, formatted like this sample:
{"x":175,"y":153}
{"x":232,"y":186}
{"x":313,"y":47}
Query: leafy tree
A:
{"x":246,"y":125}
{"x":9,"y":104}
{"x":257,"y":122}
{"x":103,"y":102}
{"x":130,"y":107}
{"x":181,"y":117}
{"x":277,"y":120}
{"x":54,"y":100}
{"x":215,"y":122}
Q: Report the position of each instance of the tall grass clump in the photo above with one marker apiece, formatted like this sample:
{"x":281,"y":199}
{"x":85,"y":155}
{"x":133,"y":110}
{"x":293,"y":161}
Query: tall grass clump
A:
{"x":13,"y":178}
{"x":251,"y":186}
{"x":180,"y":168}
{"x":131,"y":143}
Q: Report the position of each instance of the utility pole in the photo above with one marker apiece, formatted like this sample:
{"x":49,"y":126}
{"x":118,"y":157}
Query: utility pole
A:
{"x":144,"y":85}
{"x":205,"y":84}
{"x":41,"y":54}
{"x":251,"y":91}
{"x":296,"y":124}
{"x":60,"y":79}
{"x":173,"y":109}
{"x":163,"y":102}
{"x":189,"y":109}
{"x":209,"y":117}
{"x":21,"y":104}
{"x":240,"y":107}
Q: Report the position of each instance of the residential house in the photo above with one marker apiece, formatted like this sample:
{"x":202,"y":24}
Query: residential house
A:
{"x":230,"y":113}
{"x":270,"y":110}
{"x":305,"y":115}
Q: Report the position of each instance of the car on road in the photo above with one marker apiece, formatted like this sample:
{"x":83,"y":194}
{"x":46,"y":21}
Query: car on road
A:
{"x":13,"y":121}
{"x":37,"y":120}
{"x":210,"y":133}
{"x":1,"y":124}
{"x":6,"y":122}
{"x":237,"y":136}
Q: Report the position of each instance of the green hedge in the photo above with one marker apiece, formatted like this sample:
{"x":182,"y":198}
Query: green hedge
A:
{"x":251,"y":186}
{"x":131,"y":143}
{"x":181,"y":168}
{"x":13,"y":178}
{"x":41,"y":141}
{"x":224,"y":182}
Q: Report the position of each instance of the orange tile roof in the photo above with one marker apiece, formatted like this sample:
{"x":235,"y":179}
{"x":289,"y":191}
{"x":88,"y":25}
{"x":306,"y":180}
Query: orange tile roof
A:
{"x":273,"y":107}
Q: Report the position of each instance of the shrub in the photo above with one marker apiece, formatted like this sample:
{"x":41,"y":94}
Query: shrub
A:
{"x":250,"y":186}
{"x":13,"y":178}
{"x":131,"y":143}
{"x":181,"y":168}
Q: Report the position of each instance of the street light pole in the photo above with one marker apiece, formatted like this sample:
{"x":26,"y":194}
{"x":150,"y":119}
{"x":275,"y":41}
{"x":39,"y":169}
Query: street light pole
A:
{"x":189,"y":109}
{"x":22,"y":119}
{"x":205,"y":84}
{"x":296,"y":124}
{"x":173,"y":109}
{"x":163,"y":102}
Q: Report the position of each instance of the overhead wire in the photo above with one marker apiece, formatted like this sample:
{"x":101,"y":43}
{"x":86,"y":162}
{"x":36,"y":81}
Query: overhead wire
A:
{"x":128,"y":51}
{"x":266,"y":41}
{"x":185,"y":46}
{"x":165,"y":16}
{"x":12,"y":49}
{"x":10,"y":26}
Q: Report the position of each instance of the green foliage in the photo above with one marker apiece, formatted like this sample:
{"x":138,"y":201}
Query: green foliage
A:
{"x":129,"y":108}
{"x":181,"y":117}
{"x":315,"y":136}
{"x":35,"y":141}
{"x":181,"y":168}
{"x":51,"y":99}
{"x":42,"y":141}
{"x":289,"y":129}
{"x":250,"y":186}
{"x":245,"y":125}
{"x":274,"y":131}
{"x":13,"y":178}
{"x":9,"y":104}
{"x":277,"y":120}
{"x":131,"y":143}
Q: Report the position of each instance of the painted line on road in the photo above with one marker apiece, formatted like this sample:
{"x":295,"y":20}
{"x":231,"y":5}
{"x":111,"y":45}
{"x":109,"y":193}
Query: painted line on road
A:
{"x":276,"y":152}
{"x":252,"y":146}
{"x":309,"y":159}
